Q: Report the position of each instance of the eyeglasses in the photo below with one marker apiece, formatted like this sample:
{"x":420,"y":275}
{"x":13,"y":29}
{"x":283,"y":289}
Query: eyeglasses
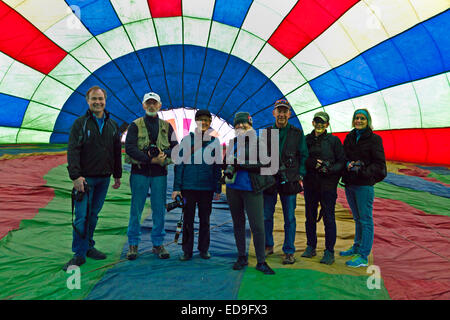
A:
{"x":360,"y":118}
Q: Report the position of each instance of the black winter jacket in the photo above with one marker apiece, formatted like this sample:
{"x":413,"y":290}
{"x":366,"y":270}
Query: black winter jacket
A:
{"x":369,"y":149}
{"x":325,"y":147}
{"x":91,"y":154}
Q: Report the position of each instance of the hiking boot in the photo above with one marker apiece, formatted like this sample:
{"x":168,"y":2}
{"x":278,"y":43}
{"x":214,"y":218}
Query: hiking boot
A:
{"x":348,"y":253}
{"x":95,"y":254}
{"x":357,"y":262}
{"x":269,"y":250}
{"x":309,"y":252}
{"x":161,"y":252}
{"x":241,"y":262}
{"x":132,"y":253}
{"x":328,"y":257}
{"x":288,"y":258}
{"x":185,"y":257}
{"x":75,"y":261}
{"x":264,"y":268}
{"x":205,"y":255}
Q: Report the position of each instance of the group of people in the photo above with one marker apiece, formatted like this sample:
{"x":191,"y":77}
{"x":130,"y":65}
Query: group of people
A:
{"x":314,"y":163}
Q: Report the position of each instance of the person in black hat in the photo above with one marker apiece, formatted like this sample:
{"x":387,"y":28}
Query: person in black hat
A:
{"x":324,"y":166}
{"x":197,"y":183}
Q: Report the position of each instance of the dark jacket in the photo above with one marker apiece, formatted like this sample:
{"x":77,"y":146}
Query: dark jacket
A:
{"x":325,"y":147}
{"x":368,"y":149}
{"x":131,"y":148}
{"x":259,"y":182}
{"x":191,"y":176}
{"x":91,"y":154}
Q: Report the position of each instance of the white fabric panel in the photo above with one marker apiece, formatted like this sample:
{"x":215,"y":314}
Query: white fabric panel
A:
{"x":52,"y":93}
{"x":40,"y":117}
{"x":169,"y":30}
{"x":130,"y":11}
{"x":269,"y":60}
{"x":311,"y":61}
{"x":5,"y":63}
{"x":222,"y":37}
{"x":70,"y":72}
{"x":247,"y":46}
{"x":142,"y":34}
{"x":91,"y":55}
{"x":264,"y":16}
{"x":198,"y":8}
{"x":115,"y":42}
{"x":374,"y":102}
{"x":68,"y":33}
{"x":8,"y":134}
{"x":341,"y":114}
{"x":434,"y":97}
{"x":426,"y":9}
{"x":288,"y":78}
{"x":303,"y":99}
{"x":402,"y":106}
{"x":196,"y":31}
{"x":33,"y":136}
{"x":28,"y":78}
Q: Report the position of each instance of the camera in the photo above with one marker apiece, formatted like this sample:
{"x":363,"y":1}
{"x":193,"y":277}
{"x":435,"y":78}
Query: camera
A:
{"x":227,"y":173}
{"x":282,"y":174}
{"x":357,"y":165}
{"x":153,"y":150}
{"x":324,"y":167}
{"x":178,"y":203}
{"x":78,"y":195}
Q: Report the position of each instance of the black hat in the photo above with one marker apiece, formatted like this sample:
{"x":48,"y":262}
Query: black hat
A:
{"x":202,"y":112}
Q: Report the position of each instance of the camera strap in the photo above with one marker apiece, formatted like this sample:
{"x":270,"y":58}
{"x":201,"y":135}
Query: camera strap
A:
{"x":86,"y":223}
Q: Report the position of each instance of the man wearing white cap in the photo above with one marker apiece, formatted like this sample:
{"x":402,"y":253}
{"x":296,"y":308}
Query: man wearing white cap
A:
{"x":148,"y":147}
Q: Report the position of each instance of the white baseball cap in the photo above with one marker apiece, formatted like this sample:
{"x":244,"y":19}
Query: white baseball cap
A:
{"x":151,"y":95}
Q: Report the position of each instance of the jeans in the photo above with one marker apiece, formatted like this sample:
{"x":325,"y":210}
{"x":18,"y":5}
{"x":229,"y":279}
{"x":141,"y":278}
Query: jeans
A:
{"x":360,"y":200}
{"x":98,"y":187}
{"x":327,"y":200}
{"x":288,"y":203}
{"x":140,"y":185}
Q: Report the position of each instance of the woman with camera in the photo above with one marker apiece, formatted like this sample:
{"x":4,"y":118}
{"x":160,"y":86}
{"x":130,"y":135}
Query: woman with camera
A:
{"x":196,"y":183}
{"x":366,"y":165}
{"x":324,"y":165}
{"x":244,"y":191}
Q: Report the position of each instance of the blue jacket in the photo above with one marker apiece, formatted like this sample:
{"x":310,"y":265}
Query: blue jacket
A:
{"x":190,"y":176}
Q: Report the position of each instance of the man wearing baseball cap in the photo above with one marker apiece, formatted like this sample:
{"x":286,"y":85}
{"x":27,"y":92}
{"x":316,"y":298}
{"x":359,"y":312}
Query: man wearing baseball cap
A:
{"x":324,"y":165}
{"x":293,"y":154}
{"x":148,"y":147}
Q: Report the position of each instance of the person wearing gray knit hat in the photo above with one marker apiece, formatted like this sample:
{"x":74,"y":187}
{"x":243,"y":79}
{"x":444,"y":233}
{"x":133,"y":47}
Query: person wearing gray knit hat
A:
{"x":242,"y":117}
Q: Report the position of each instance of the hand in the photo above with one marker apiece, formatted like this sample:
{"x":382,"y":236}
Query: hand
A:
{"x":175,"y":194}
{"x":350,"y":165}
{"x":160,"y":159}
{"x":116,"y":183}
{"x":318,"y":164}
{"x":78,"y":184}
{"x":216,"y":196}
{"x":300,"y":182}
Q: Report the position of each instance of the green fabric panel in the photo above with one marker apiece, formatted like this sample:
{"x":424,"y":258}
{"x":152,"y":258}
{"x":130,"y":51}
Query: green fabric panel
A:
{"x":303,"y":284}
{"x":440,"y":177}
{"x":41,"y":246}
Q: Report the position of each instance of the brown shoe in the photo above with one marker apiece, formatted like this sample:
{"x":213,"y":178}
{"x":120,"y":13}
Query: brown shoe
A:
{"x":268,"y":251}
{"x":132,"y":252}
{"x":288,"y":258}
{"x":161,"y":252}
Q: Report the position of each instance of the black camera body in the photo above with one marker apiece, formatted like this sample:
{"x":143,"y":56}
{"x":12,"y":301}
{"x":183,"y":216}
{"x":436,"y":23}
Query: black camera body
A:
{"x":178,"y":203}
{"x":357,"y":166}
{"x":153,"y":150}
{"x":228,"y":173}
{"x":324,"y":167}
{"x":78,"y":195}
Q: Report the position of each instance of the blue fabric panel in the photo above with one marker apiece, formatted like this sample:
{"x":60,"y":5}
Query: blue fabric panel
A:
{"x":231,"y":12}
{"x":438,"y":28}
{"x":357,"y":77}
{"x":63,"y":124}
{"x":59,"y":138}
{"x":131,"y":67}
{"x":98,"y":16}
{"x":151,"y":278}
{"x":190,"y":85}
{"x":328,"y":88}
{"x":77,"y":104}
{"x":173,"y":65}
{"x":12,"y":110}
{"x":194,"y":58}
{"x":417,"y":183}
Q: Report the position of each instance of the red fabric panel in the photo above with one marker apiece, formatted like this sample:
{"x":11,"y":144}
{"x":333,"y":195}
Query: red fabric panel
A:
{"x":22,"y":41}
{"x":426,"y":146}
{"x":165,"y":8}
{"x":306,"y":21}
{"x":23,"y":191}
{"x":411,"y":249}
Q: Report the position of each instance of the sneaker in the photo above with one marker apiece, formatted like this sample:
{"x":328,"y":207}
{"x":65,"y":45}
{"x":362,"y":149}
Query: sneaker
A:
{"x":264,"y":268}
{"x":309,"y":252}
{"x":269,"y":250}
{"x":132,"y":253}
{"x":185,"y":257}
{"x":328,"y":257}
{"x":205,"y":255}
{"x":348,"y":253}
{"x":95,"y":254}
{"x":357,"y":262}
{"x":288,"y":258}
{"x":241,"y":262}
{"x":161,"y":252}
{"x":75,"y":261}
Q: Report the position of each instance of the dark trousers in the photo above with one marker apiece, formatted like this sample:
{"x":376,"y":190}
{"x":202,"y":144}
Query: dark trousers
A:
{"x":327,"y":200}
{"x":204,"y":201}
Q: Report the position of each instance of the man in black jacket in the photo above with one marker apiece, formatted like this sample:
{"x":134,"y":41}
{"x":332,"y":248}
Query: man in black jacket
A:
{"x":93,"y":154}
{"x":324,"y":165}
